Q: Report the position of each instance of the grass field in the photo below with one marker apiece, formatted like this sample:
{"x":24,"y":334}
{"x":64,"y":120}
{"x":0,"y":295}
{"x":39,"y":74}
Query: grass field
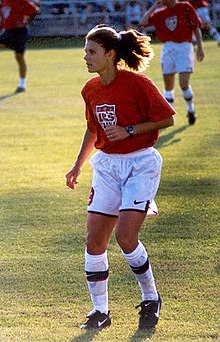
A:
{"x":43,"y":293}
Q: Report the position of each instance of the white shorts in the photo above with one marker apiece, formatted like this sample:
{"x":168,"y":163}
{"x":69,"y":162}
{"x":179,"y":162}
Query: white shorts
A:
{"x":124,"y":181}
{"x":203,"y":13}
{"x":177,"y":57}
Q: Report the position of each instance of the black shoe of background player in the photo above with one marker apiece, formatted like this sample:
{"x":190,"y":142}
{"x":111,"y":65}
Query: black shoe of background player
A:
{"x":20,"y":90}
{"x":191,"y":117}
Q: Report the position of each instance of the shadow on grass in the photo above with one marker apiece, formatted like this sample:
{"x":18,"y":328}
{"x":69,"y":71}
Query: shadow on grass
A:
{"x":142,"y":335}
{"x":217,"y":268}
{"x":4,"y":97}
{"x":86,"y":337}
{"x":169,"y":138}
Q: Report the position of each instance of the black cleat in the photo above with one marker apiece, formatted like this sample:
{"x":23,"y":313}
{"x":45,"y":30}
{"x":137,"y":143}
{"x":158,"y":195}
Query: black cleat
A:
{"x":149,"y":314}
{"x":20,"y":90}
{"x":97,"y":320}
{"x":191,"y":117}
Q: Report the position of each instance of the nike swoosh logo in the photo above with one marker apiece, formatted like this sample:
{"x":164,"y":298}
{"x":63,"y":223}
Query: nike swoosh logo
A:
{"x":135,"y":268}
{"x":138,"y":202}
{"x":158,"y":311}
{"x":92,"y":274}
{"x":101,"y":323}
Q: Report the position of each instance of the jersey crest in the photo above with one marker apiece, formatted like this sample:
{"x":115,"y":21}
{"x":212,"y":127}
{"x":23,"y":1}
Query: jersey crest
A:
{"x":106,"y":115}
{"x":6,"y":11}
{"x":171,"y":23}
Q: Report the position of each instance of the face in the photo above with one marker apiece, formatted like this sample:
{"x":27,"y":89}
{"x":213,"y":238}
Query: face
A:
{"x":95,"y":56}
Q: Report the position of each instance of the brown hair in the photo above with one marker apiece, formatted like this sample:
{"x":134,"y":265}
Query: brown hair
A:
{"x":130,"y":46}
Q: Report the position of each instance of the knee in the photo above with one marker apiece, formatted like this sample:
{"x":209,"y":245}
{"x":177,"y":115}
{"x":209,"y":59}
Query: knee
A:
{"x":95,"y":245}
{"x":19,"y":58}
{"x":126,"y":241}
{"x":184,"y":85}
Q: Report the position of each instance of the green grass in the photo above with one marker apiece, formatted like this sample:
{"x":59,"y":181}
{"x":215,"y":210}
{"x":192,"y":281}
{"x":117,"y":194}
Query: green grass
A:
{"x":43,"y":293}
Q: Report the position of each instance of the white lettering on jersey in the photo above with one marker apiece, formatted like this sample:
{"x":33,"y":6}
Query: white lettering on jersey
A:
{"x":171,"y":23}
{"x":106,"y":115}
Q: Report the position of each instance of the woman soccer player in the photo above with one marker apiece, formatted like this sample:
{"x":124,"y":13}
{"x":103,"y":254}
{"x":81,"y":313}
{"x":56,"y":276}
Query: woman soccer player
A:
{"x":202,"y":9}
{"x":124,"y":112}
{"x":175,"y":24}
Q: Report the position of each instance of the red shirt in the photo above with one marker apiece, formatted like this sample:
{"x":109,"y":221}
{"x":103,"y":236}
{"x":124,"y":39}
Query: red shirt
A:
{"x":14,"y":13}
{"x":198,"y":3}
{"x":129,"y":99}
{"x":175,"y":24}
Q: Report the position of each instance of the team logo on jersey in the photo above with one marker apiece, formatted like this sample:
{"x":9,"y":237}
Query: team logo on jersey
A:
{"x":106,"y":115}
{"x":6,"y":12}
{"x":171,"y":23}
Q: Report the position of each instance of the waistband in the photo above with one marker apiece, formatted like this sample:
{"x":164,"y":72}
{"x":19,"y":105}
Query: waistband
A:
{"x":170,"y":43}
{"x":137,"y":153}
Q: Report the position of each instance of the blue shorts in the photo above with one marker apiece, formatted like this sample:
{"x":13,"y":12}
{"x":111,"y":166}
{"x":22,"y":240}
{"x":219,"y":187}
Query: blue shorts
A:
{"x":15,"y":39}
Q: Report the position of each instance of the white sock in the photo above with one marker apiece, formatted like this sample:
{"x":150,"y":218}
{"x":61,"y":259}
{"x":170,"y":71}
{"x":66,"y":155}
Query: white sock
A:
{"x":138,"y":261}
{"x":169,"y":96}
{"x":188,"y":97}
{"x":96,"y":267}
{"x":22,"y":83}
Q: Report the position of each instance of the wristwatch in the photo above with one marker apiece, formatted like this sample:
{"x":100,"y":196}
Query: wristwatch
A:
{"x":130,"y":130}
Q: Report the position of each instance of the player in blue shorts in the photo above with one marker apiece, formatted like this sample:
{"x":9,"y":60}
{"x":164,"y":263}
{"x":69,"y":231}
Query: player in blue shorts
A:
{"x":14,"y":17}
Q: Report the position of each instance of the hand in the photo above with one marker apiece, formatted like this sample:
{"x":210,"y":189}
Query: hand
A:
{"x":71,"y":177}
{"x":200,"y":55}
{"x":114,"y":132}
{"x":158,"y":3}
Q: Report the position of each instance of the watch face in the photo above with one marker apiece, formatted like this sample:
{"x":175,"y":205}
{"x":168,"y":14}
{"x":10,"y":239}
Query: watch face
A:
{"x":130,"y":129}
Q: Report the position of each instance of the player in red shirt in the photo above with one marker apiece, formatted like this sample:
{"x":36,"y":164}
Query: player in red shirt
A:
{"x":14,"y":17}
{"x":202,"y":9}
{"x":124,"y":112}
{"x":175,"y":24}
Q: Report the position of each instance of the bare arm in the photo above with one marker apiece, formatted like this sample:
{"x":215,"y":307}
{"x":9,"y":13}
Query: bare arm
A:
{"x":153,"y":126}
{"x":200,"y":55}
{"x":86,"y":147}
{"x":147,"y":14}
{"x":31,"y":17}
{"x":115,"y":133}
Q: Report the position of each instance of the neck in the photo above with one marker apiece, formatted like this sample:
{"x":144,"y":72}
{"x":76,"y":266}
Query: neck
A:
{"x":107,"y":76}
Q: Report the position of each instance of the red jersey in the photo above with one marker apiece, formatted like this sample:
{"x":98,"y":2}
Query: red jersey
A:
{"x":198,"y":3}
{"x":129,"y":99}
{"x":175,"y":24}
{"x":14,"y":13}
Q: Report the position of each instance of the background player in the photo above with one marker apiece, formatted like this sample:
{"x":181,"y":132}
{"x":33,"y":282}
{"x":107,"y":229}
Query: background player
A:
{"x":124,"y":113}
{"x":14,"y":17}
{"x":175,"y":25}
{"x":202,"y":9}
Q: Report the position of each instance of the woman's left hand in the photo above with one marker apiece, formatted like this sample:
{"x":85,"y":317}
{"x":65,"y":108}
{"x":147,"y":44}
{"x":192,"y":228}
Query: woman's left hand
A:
{"x":200,"y":55}
{"x":114,"y":132}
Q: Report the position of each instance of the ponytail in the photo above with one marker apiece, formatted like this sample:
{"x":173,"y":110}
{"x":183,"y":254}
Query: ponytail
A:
{"x":135,"y":50}
{"x":131,"y":47}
